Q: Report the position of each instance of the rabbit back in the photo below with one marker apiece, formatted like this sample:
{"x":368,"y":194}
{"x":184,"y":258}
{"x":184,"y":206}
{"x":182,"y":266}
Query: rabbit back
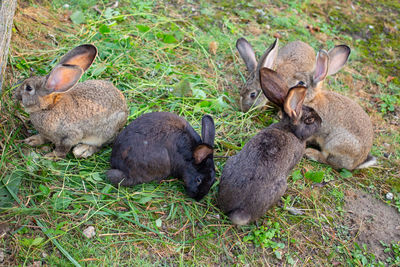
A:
{"x":93,"y":112}
{"x":147,"y":149}
{"x":254,"y":179}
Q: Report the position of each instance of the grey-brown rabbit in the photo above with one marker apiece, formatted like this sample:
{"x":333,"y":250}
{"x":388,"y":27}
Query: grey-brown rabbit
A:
{"x":346,"y":134}
{"x":295,"y":54}
{"x":70,"y":114}
{"x":254,"y":179}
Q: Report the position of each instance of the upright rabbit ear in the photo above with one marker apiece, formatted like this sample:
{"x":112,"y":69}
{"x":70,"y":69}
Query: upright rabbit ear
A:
{"x":321,"y":67}
{"x":62,"y":78}
{"x":338,"y":56}
{"x":81,"y":56}
{"x":247,"y":53}
{"x":273,"y":86}
{"x":294,"y":102}
{"x":268,"y":59}
{"x":208,"y":130}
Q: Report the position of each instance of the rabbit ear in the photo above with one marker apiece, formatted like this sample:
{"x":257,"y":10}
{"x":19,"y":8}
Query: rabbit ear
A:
{"x":247,"y":53}
{"x":273,"y":86}
{"x":321,"y":67}
{"x":268,"y":59}
{"x":81,"y":56}
{"x":208,"y":130}
{"x":337,"y":58}
{"x":294,"y":102}
{"x":63,"y":77}
{"x":201,"y":152}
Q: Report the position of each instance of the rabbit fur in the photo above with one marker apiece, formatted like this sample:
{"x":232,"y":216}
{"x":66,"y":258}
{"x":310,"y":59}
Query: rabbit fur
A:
{"x":256,"y":178}
{"x":70,"y":114}
{"x":295,"y":53}
{"x":161,"y":144}
{"x":346,"y":135}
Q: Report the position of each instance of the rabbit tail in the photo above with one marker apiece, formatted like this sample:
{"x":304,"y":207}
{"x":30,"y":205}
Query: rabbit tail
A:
{"x":116,"y":177}
{"x":368,"y":162}
{"x":239,"y":217}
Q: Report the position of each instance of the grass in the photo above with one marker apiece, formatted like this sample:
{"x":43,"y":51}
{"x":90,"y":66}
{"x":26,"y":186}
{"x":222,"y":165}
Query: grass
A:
{"x":155,"y":53}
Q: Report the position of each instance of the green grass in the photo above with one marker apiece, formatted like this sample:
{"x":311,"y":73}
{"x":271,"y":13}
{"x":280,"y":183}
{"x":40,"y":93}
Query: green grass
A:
{"x":147,"y":50}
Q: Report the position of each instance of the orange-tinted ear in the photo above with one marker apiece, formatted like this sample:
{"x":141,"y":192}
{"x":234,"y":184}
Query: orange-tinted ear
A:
{"x":294,"y":102}
{"x":63,"y":77}
{"x":273,"y":86}
{"x":81,"y":56}
{"x":201,"y":152}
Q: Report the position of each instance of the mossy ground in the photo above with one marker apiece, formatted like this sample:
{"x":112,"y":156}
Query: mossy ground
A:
{"x":147,"y":49}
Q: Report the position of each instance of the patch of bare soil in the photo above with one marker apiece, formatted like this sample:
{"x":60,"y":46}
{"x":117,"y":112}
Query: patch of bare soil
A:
{"x":370,"y":221}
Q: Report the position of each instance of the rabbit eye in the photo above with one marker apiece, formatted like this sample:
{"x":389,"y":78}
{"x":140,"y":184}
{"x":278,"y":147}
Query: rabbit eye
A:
{"x":28,"y":88}
{"x":301,"y":83}
{"x":253,"y":95}
{"x":309,"y":120}
{"x":198,"y":180}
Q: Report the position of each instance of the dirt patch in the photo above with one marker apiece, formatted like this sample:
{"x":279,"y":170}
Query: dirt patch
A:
{"x":370,"y":221}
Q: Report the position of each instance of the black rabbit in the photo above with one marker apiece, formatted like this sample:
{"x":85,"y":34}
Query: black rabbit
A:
{"x":161,"y":144}
{"x":254,"y":179}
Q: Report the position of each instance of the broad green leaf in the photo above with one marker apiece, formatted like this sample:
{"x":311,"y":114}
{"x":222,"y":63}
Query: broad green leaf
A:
{"x":316,"y":177}
{"x":104,"y":29}
{"x":143,"y":28}
{"x":345,"y":173}
{"x":12,"y":183}
{"x":78,"y":17}
{"x":296,"y":175}
{"x":182,"y":88}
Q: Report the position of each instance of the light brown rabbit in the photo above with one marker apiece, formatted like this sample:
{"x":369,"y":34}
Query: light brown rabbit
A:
{"x":298,"y":54}
{"x":85,"y":115}
{"x":346,"y":135}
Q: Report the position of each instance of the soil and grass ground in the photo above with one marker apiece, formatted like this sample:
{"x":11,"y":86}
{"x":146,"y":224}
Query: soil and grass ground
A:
{"x":180,"y":56}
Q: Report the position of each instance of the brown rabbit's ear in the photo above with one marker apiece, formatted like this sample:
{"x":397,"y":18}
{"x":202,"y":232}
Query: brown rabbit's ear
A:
{"x":201,"y":152}
{"x":81,"y":56}
{"x":321,"y":67}
{"x":273,"y":86}
{"x":338,"y":56}
{"x":294,"y":102}
{"x":247,"y":54}
{"x":63,"y":77}
{"x":268,"y":59}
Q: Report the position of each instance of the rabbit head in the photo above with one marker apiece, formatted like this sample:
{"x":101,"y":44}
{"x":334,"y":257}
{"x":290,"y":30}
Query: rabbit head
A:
{"x":39,"y":93}
{"x":303,"y":121}
{"x":198,"y":180}
{"x":295,"y":57}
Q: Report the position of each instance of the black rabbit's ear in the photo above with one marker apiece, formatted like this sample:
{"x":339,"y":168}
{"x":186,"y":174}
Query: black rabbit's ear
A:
{"x":201,"y":152}
{"x":208,"y":130}
{"x":268,"y":59}
{"x":273,"y":86}
{"x":247,"y":54}
{"x":81,"y":56}
{"x":294,"y":102}
{"x":62,"y":78}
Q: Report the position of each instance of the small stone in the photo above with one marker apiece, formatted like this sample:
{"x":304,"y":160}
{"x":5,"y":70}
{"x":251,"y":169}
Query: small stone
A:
{"x":66,"y":6}
{"x":389,"y":196}
{"x":89,"y":232}
{"x":1,"y":255}
{"x":295,"y":211}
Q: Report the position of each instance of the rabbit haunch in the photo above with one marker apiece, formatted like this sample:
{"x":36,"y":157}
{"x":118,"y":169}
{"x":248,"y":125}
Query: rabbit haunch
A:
{"x":161,"y":144}
{"x":255,"y":178}
{"x":67,"y":113}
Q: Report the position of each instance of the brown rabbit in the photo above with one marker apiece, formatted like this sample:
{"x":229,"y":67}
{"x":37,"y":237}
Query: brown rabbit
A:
{"x":298,"y":54}
{"x":346,"y":134}
{"x":255,"y":178}
{"x":85,"y":115}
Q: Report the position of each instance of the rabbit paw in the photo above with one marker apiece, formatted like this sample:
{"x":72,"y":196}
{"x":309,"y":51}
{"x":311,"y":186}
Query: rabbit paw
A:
{"x":314,"y":154}
{"x":84,"y":151}
{"x":54,"y":156}
{"x":35,"y":140}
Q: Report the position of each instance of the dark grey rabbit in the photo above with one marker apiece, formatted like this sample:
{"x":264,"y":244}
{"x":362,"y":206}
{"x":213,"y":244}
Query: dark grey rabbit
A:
{"x":254,"y":179}
{"x":161,"y":144}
